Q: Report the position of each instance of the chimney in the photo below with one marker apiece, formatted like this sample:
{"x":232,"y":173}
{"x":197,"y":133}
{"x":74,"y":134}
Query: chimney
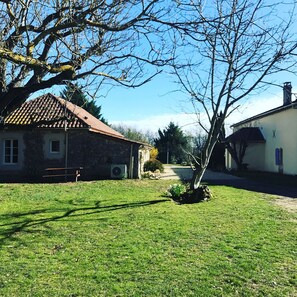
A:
{"x":287,"y":93}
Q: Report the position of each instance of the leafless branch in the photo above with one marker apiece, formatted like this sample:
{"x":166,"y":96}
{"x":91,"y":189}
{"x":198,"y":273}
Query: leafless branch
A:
{"x":51,"y":42}
{"x":238,"y":44}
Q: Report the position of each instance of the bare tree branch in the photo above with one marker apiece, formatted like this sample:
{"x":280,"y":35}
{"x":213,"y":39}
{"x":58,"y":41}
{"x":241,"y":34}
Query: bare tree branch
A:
{"x":50,"y":42}
{"x":237,"y":46}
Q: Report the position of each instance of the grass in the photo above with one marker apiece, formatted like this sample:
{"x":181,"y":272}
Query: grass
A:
{"x":124,"y":238}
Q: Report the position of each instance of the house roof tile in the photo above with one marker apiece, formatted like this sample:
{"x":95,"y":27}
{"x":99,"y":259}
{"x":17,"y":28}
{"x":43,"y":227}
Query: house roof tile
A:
{"x":49,"y":111}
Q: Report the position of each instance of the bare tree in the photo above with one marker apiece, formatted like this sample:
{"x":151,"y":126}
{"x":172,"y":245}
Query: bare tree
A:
{"x":45,"y":43}
{"x":132,"y":133}
{"x":228,"y":57}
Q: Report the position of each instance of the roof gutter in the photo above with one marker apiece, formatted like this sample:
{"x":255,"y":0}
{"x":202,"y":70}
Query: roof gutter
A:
{"x":293,"y":105}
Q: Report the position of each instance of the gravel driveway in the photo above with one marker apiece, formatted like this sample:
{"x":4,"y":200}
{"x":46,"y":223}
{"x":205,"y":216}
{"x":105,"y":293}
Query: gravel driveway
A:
{"x":178,"y":172}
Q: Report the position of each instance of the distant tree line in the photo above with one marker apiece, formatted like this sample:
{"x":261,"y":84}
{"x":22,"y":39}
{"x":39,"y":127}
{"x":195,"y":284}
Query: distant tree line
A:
{"x":175,"y":146}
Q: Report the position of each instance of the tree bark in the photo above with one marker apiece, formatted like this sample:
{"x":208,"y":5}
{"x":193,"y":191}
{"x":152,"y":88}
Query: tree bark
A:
{"x":197,"y":178}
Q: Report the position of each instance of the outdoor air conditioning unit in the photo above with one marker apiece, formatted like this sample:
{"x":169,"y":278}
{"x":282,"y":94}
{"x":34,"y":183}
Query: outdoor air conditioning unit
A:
{"x":119,"y":171}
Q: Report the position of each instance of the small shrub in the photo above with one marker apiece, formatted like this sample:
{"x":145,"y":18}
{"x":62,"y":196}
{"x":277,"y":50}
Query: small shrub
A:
{"x":193,"y":196}
{"x":184,"y":195}
{"x":154,"y":153}
{"x":176,"y":191}
{"x":153,"y":165}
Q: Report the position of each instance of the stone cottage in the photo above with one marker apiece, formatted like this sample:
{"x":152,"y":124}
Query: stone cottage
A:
{"x":51,"y":132}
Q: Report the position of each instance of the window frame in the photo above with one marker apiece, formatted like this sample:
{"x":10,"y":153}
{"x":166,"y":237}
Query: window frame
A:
{"x":11,"y":155}
{"x":51,"y":146}
{"x":279,"y":156}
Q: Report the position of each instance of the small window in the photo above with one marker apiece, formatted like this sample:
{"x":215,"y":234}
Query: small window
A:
{"x":279,"y":156}
{"x":55,"y":146}
{"x":11,"y":151}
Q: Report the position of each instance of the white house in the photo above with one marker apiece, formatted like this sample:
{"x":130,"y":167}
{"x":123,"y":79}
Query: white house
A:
{"x":268,"y":141}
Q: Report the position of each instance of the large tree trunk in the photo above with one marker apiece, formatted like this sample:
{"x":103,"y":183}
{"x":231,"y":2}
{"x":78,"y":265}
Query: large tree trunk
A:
{"x":197,"y":178}
{"x":16,"y":96}
{"x":213,"y":136}
{"x":205,"y":157}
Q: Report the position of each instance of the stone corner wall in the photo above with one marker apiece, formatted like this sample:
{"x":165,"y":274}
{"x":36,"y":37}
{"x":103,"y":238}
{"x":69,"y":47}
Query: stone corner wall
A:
{"x":92,"y":151}
{"x":96,"y":153}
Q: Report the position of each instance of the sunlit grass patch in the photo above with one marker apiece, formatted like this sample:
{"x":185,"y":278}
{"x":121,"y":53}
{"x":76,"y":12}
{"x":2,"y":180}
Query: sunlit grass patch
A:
{"x":124,"y":238}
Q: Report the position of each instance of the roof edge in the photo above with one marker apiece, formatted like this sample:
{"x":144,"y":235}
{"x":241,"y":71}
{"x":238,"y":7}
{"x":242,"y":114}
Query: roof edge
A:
{"x":88,"y":119}
{"x":267,"y":113}
{"x":120,"y":138}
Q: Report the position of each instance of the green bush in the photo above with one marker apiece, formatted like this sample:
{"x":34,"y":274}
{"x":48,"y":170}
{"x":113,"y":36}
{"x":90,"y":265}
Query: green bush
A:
{"x":153,"y":165}
{"x":183,"y":195}
{"x":176,"y":190}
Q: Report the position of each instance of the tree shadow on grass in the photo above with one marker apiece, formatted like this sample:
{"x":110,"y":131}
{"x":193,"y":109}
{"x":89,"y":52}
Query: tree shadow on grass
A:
{"x":24,"y":221}
{"x":258,"y":186}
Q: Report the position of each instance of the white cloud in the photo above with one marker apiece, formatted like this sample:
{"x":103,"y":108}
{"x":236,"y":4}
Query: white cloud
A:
{"x":153,"y":123}
{"x":189,"y":121}
{"x":253,"y":107}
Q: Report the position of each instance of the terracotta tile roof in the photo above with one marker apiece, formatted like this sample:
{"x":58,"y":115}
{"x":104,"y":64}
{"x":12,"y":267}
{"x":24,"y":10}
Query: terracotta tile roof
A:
{"x":93,"y":123}
{"x":49,"y":111}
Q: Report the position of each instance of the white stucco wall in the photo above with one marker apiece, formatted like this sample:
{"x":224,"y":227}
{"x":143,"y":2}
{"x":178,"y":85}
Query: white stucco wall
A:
{"x":254,"y":156}
{"x":229,"y":163}
{"x":279,"y":131}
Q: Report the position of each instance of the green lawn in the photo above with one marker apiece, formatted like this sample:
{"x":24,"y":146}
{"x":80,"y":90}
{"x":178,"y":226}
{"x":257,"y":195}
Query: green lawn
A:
{"x":124,"y":238}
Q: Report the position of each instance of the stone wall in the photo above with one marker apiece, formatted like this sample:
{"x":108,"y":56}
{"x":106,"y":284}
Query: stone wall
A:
{"x":96,"y":153}
{"x":92,"y":151}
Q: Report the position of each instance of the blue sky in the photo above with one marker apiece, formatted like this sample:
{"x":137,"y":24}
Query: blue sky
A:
{"x":154,"y":99}
{"x":155,"y":104}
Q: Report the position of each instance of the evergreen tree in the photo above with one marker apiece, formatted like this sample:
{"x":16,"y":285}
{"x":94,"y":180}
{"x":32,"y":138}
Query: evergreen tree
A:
{"x":172,"y":144}
{"x":75,"y":94}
